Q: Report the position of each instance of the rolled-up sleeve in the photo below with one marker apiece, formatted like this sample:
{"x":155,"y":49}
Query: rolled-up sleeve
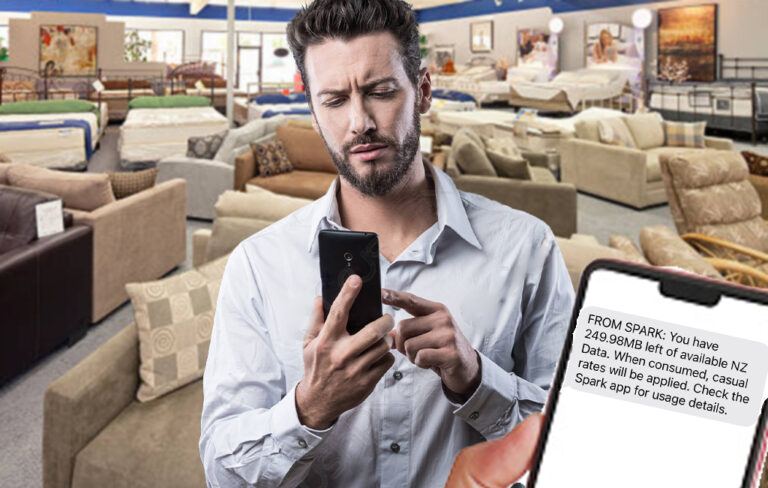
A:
{"x":505,"y":398}
{"x":250,"y":431}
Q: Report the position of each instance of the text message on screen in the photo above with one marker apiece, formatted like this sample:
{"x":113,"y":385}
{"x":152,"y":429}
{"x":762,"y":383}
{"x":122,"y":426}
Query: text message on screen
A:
{"x":668,"y":366}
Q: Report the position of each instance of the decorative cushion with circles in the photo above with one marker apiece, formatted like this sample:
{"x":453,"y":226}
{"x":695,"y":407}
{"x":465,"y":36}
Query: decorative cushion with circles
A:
{"x":205,"y":147}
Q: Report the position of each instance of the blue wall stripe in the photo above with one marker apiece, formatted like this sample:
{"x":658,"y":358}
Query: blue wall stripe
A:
{"x":145,"y":9}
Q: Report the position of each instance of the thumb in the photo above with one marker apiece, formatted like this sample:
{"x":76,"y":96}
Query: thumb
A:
{"x":316,"y":321}
{"x":498,"y":463}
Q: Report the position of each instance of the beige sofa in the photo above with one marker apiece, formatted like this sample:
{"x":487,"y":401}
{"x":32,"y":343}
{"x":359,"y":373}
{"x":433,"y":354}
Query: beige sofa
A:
{"x":137,"y":238}
{"x":628,"y":175}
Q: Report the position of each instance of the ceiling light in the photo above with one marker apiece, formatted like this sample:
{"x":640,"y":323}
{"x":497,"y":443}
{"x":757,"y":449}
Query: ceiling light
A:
{"x":556,"y":25}
{"x":642,"y":18}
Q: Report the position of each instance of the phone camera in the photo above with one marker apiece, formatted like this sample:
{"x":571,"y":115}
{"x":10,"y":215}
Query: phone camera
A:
{"x":348,"y":256}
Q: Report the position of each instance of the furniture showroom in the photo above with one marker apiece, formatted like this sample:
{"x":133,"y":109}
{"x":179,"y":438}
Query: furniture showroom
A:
{"x":142,"y":140}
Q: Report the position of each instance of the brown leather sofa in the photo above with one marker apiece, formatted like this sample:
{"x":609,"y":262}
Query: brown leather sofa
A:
{"x":45,"y":284}
{"x":313,"y":168}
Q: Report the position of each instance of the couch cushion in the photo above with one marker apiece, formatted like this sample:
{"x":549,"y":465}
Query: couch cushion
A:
{"x":663,"y":247}
{"x":271,"y":158}
{"x":654,"y":156}
{"x":647,"y":129}
{"x":4,"y":167}
{"x":205,"y":147}
{"x":625,"y":245}
{"x":615,"y":132}
{"x":503,"y":145}
{"x":587,"y":130}
{"x":257,"y":203}
{"x":174,"y":319}
{"x":80,"y":191}
{"x":510,"y":167}
{"x":305,"y":148}
{"x":541,"y":175}
{"x":126,"y":183}
{"x":297,"y":183}
{"x":147,"y":444}
{"x":577,"y":255}
{"x":228,"y":232}
{"x":242,"y":136}
{"x":470,"y":155}
{"x":684,"y":134}
{"x":451,"y":168}
{"x":18,"y":222}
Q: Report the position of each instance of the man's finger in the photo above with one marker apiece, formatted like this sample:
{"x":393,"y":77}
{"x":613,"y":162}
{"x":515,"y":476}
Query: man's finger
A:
{"x":338,"y":315}
{"x":315,"y":321}
{"x":370,"y":334}
{"x":499,"y":463}
{"x":409,"y":328}
{"x":411,"y":303}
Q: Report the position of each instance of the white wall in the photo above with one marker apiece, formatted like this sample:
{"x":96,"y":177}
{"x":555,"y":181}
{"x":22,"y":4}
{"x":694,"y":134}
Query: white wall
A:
{"x":741,"y":30}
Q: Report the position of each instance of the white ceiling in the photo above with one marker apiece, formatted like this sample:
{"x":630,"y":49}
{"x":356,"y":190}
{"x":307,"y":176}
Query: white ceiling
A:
{"x":298,"y":3}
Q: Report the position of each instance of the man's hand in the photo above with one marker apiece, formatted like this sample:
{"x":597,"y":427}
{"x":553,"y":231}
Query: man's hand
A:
{"x":499,"y":463}
{"x":340,"y":370}
{"x":432,"y":340}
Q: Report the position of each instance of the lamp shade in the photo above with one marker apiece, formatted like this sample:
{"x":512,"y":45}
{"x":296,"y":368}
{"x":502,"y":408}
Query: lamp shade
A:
{"x":642,"y":18}
{"x":556,"y":25}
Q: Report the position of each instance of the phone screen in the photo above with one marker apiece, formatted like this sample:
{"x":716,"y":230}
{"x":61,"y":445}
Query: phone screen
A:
{"x":656,"y":391}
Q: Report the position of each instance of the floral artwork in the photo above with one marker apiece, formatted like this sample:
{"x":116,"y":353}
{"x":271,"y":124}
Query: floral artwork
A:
{"x":68,"y":50}
{"x":688,"y":43}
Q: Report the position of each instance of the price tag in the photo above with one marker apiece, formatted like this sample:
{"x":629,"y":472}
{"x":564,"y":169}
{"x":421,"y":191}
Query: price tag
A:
{"x":50,"y":219}
{"x":98,"y":85}
{"x":200,"y":85}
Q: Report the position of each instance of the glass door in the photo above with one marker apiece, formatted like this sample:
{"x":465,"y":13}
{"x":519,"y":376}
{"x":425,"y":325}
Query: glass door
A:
{"x":248,"y":68}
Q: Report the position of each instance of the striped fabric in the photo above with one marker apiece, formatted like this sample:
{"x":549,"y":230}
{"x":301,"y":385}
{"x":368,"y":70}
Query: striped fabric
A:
{"x":684,"y":134}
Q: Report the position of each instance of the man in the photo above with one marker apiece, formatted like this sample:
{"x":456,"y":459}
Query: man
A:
{"x":476,"y":295}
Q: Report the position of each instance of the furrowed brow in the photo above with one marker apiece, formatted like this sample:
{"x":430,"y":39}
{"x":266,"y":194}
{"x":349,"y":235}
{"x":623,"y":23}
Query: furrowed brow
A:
{"x":367,"y":87}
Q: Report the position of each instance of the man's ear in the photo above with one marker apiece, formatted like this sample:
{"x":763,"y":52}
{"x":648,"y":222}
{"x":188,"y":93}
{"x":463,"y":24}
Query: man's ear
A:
{"x":425,"y":91}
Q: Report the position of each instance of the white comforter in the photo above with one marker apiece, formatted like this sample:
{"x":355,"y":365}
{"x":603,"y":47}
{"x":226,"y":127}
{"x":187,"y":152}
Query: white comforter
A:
{"x":576,"y":85}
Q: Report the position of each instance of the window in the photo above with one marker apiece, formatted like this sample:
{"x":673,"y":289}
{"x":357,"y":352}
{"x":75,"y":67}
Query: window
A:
{"x":277,"y":72}
{"x":164,"y":46}
{"x":214,"y":50}
{"x":3,"y":43}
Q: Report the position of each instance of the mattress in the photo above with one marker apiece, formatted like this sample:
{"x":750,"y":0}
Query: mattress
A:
{"x":259,"y":110}
{"x":148,"y":135}
{"x":124,"y":94}
{"x":714,"y":100}
{"x":53,"y":148}
{"x":451,"y":121}
{"x":574,"y":87}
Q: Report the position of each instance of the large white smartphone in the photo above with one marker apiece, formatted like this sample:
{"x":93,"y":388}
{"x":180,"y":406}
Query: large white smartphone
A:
{"x":661,"y":383}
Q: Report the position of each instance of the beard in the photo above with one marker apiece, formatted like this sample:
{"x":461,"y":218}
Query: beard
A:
{"x":378,"y":181}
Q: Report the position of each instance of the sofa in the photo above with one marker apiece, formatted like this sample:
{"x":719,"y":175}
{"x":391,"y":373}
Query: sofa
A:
{"x":628,"y":175}
{"x":313,"y":168}
{"x":208,"y":178}
{"x":45,"y":283}
{"x":536,"y":191}
{"x":136,"y":238}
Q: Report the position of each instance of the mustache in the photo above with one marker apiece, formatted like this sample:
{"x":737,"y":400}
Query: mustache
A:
{"x":369,"y":138}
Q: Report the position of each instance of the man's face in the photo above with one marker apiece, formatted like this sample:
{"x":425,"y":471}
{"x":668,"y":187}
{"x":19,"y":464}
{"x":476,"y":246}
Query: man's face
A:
{"x":366,"y":109}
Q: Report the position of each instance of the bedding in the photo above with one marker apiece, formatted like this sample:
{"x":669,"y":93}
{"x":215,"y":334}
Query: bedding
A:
{"x":569,"y":89}
{"x":150,"y":134}
{"x":172,"y":101}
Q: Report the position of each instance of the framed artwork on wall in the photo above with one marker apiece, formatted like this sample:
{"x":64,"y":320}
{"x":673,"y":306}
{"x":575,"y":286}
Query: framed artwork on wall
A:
{"x":68,"y":50}
{"x":481,"y":36}
{"x":688,"y":43}
{"x":443,"y":54}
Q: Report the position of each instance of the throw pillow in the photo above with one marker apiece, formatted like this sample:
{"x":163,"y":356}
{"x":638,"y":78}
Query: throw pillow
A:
{"x":4,"y":167}
{"x":758,"y":164}
{"x":174,"y":319}
{"x":127,"y":183}
{"x":625,"y":245}
{"x":508,"y":166}
{"x":503,"y":145}
{"x":470,"y":155}
{"x":684,"y":134}
{"x":615,"y":132}
{"x":271,"y":158}
{"x":647,"y":129}
{"x":663,"y":247}
{"x":205,"y":147}
{"x":79,"y":191}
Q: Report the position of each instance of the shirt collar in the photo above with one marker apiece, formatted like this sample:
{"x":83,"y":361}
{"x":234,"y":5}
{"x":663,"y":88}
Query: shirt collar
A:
{"x":450,"y":210}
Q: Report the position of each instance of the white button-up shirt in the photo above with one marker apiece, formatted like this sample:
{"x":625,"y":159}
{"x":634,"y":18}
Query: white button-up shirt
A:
{"x":499,"y":272}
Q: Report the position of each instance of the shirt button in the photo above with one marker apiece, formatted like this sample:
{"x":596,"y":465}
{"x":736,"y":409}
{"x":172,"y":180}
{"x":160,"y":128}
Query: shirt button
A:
{"x":302,"y":443}
{"x":474,"y":415}
{"x":395,"y":447}
{"x":398,"y":375}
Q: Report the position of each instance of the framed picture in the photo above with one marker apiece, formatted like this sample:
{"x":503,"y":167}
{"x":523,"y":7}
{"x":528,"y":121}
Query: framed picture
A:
{"x":68,"y":50}
{"x":688,"y":43}
{"x":481,"y":36}
{"x":443,"y":54}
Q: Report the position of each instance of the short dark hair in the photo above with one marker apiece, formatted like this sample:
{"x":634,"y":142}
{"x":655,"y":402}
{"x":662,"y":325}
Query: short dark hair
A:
{"x":322,"y":20}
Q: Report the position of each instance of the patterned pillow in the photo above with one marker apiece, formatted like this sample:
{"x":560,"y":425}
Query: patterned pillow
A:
{"x":684,"y":134}
{"x":615,"y":132}
{"x":271,"y":158}
{"x":758,"y":164}
{"x":174,"y":318}
{"x":205,"y":147}
{"x":127,"y":183}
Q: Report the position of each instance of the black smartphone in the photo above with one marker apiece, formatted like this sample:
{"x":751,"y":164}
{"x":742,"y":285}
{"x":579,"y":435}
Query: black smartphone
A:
{"x":342,"y":254}
{"x":661,"y":382}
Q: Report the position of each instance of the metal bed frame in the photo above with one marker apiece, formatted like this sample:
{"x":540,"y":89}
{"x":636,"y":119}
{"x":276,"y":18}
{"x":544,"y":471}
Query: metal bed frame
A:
{"x":708,"y":98}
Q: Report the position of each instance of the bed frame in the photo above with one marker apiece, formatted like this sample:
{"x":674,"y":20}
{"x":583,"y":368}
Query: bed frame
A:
{"x":46,"y":87}
{"x":739,"y":79}
{"x":179,"y":77}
